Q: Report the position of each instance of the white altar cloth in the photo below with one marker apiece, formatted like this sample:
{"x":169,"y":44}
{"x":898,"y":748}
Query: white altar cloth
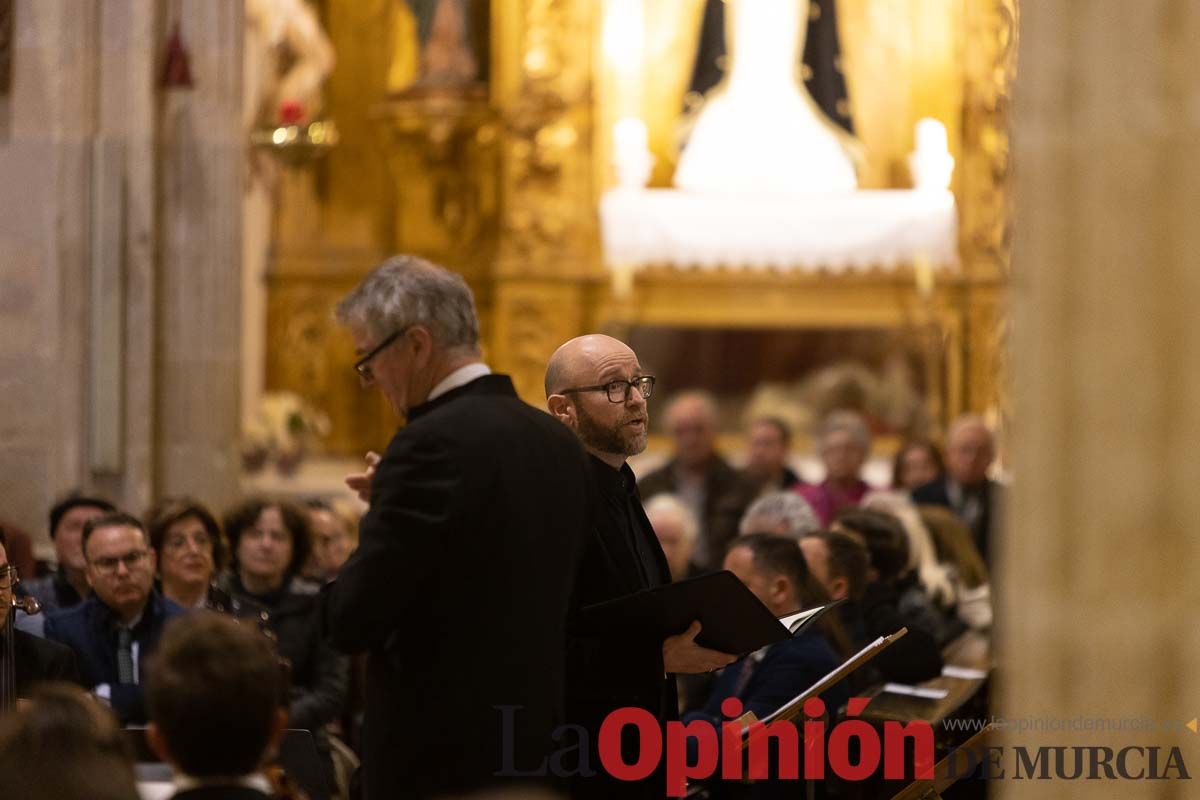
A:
{"x":836,"y":232}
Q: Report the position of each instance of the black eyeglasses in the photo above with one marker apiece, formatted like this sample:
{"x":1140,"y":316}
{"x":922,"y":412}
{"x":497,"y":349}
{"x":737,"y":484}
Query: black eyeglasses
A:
{"x":363,"y":365}
{"x":618,"y":391}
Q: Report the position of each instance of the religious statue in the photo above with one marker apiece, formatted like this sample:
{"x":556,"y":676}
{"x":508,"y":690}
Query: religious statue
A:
{"x":286,"y":61}
{"x":760,"y":130}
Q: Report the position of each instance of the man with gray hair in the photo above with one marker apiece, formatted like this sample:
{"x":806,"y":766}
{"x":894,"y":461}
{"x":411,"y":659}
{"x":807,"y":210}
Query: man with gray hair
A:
{"x":676,"y":529}
{"x":697,"y":474}
{"x":476,"y":507}
{"x":780,"y":514}
{"x":965,"y":488}
{"x":844,"y":442}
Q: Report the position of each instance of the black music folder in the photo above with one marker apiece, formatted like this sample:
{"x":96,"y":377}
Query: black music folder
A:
{"x":732,"y":619}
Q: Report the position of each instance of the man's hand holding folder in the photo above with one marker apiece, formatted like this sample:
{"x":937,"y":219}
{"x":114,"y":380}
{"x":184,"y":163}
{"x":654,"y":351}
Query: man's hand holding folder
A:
{"x":682,"y":655}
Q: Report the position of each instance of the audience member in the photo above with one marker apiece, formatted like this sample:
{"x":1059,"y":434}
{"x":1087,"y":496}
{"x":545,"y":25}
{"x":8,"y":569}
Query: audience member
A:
{"x":68,"y":585}
{"x":839,"y":561}
{"x":926,"y":582}
{"x":596,"y":386}
{"x":34,"y":659}
{"x":781,"y":514}
{"x":116,"y":629}
{"x":768,"y":443}
{"x":952,"y":539}
{"x":190,"y":551}
{"x":966,"y":488}
{"x":917,"y":462}
{"x":697,"y":474}
{"x":676,"y":529}
{"x":20,"y":550}
{"x":63,"y":745}
{"x":844,"y":442}
{"x":915,"y":657}
{"x":773,"y":568}
{"x":334,"y":538}
{"x":217,"y":701}
{"x":269,"y":541}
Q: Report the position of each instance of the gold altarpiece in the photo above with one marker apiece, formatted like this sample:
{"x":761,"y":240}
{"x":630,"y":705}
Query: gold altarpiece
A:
{"x":501,"y":183}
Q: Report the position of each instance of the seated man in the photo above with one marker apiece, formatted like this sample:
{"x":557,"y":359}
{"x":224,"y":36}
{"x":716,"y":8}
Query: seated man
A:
{"x":217,"y":700}
{"x":67,"y":587}
{"x":774,"y":570}
{"x":115,"y":630}
{"x":35,"y":659}
{"x":698,"y":475}
{"x":768,"y":441}
{"x":780,"y":514}
{"x":676,"y":529}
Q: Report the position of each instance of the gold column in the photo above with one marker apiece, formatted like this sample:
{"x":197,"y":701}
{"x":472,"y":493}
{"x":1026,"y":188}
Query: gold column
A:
{"x":548,"y":248}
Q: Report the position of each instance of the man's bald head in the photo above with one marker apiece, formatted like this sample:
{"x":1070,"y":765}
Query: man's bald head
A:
{"x":612,"y":431}
{"x":575,"y":360}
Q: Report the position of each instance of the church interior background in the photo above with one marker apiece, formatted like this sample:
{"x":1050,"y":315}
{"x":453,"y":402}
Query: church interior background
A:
{"x":188,"y":187}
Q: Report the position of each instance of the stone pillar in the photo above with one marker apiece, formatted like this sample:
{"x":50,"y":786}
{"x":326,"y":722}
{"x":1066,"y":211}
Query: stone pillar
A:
{"x":119,"y":254}
{"x":1097,"y":569}
{"x":202,"y":170}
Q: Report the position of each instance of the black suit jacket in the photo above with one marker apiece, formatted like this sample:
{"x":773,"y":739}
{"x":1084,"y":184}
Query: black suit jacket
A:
{"x":611,"y":671}
{"x":39,"y":660}
{"x":937,"y":493}
{"x":220,"y":793}
{"x":727,"y":494}
{"x":459,"y":589}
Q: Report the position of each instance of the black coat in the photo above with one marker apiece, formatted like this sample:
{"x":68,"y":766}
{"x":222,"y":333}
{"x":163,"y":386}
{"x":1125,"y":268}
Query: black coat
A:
{"x":39,"y":660}
{"x":615,"y":670}
{"x":459,"y":589}
{"x":937,"y":493}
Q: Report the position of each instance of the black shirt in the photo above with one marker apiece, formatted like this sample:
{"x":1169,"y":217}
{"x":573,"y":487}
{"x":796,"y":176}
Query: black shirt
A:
{"x":621,"y":510}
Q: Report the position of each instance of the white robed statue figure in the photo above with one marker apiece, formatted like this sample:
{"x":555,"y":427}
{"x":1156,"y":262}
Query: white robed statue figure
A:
{"x":760,"y":131}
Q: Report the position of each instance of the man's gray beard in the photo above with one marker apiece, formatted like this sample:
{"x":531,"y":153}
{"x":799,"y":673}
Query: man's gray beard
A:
{"x":605,"y":440}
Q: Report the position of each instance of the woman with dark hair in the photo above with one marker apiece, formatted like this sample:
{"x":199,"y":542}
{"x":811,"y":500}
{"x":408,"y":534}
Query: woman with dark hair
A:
{"x":190,"y":551}
{"x":269,"y":544}
{"x":917,"y":462}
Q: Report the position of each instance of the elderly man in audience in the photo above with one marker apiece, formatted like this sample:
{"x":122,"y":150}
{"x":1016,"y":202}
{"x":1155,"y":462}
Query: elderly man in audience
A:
{"x":69,"y":584}
{"x":217,"y":706}
{"x":676,"y":529}
{"x":768,"y":442}
{"x":35,"y":659}
{"x":844,"y":442}
{"x":715,"y":492}
{"x":966,"y":488}
{"x":781,"y":514}
{"x":875,"y":610}
{"x":596,"y":386}
{"x":115,"y":630}
{"x":333,"y":540}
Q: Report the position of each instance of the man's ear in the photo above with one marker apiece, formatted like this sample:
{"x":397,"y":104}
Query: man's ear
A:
{"x":562,"y":409}
{"x":781,"y":589}
{"x":158,"y":744}
{"x":838,"y":588}
{"x":279,"y":726}
{"x":422,"y":344}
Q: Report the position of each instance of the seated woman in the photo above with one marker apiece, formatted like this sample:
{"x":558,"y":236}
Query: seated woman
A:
{"x":917,"y":462}
{"x":191,"y":552}
{"x":269,"y":542}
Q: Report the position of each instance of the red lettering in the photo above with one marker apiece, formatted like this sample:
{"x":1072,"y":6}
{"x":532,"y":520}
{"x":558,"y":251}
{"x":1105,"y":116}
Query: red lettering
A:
{"x":649,"y":744}
{"x":814,"y":739}
{"x":894,"y":734}
{"x":678,"y":769}
{"x":869,"y":744}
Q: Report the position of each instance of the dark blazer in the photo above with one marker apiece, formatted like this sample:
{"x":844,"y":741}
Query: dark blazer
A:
{"x":459,"y":590}
{"x":727,"y":494}
{"x":937,"y":493}
{"x":220,"y":793}
{"x":89,"y":629}
{"x":614,"y":670}
{"x":39,"y":660}
{"x":911,"y":660}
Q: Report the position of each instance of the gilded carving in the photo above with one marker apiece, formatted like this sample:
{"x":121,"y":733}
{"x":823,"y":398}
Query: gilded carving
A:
{"x":548,"y":223}
{"x":985,"y":200}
